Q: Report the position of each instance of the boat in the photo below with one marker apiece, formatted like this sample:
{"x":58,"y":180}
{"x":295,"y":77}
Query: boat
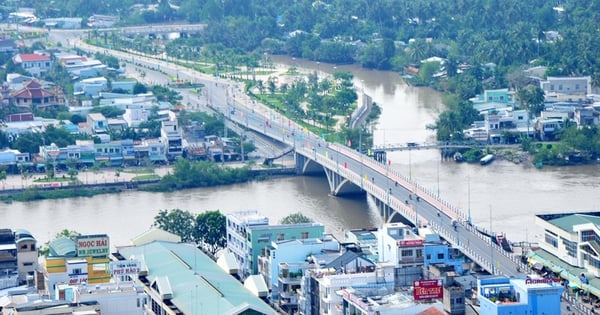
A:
{"x":458,"y":157}
{"x":487,"y":159}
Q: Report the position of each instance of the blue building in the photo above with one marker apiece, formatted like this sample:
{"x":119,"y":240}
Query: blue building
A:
{"x":436,"y":252}
{"x":503,"y":296}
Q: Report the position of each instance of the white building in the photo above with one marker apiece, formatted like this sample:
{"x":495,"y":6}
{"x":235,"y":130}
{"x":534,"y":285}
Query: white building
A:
{"x":237,"y":225}
{"x":399,"y":245}
{"x":118,"y":298}
{"x":330,"y":283}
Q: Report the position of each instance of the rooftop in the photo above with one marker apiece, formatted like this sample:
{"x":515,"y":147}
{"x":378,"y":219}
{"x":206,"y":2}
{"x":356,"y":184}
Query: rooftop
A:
{"x":198,"y":284}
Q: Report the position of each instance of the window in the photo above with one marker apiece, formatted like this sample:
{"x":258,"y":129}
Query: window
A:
{"x":428,"y":257}
{"x":407,"y":253}
{"x":440,"y":256}
{"x":560,"y":87}
{"x":304,"y":235}
{"x":280,"y":237}
{"x":419,"y":253}
{"x":77,"y":271}
{"x":459,"y":300}
{"x":28,"y":264}
{"x":551,"y":240}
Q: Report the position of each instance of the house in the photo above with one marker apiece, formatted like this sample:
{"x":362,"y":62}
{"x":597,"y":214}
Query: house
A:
{"x":173,"y":139}
{"x":97,"y":123}
{"x":503,"y":295}
{"x":557,"y":89}
{"x":33,"y":94}
{"x":36,"y":64}
{"x":399,"y":245}
{"x":8,"y":45}
{"x":90,"y":87}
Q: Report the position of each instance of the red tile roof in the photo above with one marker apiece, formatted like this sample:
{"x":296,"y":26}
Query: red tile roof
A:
{"x":33,"y":90}
{"x":33,"y":57}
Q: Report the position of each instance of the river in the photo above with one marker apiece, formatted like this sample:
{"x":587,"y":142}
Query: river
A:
{"x":502,"y":195}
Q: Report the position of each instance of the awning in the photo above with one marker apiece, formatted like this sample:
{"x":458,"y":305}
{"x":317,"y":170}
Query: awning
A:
{"x":538,"y":266}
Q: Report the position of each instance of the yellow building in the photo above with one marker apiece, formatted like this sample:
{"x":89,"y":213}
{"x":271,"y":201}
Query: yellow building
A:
{"x":70,"y":262}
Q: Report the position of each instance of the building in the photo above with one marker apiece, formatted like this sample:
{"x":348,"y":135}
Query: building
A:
{"x":55,"y":308}
{"x":400,"y":246}
{"x":573,"y":237}
{"x":173,"y":139}
{"x":27,"y":256}
{"x":33,"y":94}
{"x":558,"y":89}
{"x":180,"y":279}
{"x":438,"y":252}
{"x":97,"y":123}
{"x":260,"y":237}
{"x":118,"y":298}
{"x":321,"y":286}
{"x":503,"y":296}
{"x":282,"y":265}
{"x":9,"y":267}
{"x":35,"y":64}
{"x":237,"y":224}
{"x":8,"y":45}
{"x":74,"y":262}
{"x":378,"y":299}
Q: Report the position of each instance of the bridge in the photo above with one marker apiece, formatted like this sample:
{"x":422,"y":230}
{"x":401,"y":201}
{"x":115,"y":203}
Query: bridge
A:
{"x":440,"y":145}
{"x":350,"y":172}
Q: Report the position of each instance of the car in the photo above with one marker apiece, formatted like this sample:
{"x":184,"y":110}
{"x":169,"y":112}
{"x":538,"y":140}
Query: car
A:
{"x":411,"y":144}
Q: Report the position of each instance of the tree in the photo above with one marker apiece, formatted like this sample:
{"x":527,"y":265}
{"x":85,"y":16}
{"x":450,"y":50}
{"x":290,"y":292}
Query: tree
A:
{"x":178,"y":222}
{"x":211,"y":231}
{"x":295,"y":218}
{"x":70,"y":234}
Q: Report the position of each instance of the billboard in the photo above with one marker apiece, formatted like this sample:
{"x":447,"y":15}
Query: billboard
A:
{"x":125,"y":267}
{"x":409,"y":243}
{"x":92,"y":245}
{"x":427,"y":289}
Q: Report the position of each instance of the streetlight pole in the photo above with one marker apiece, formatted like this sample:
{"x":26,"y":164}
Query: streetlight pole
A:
{"x":469,"y":197}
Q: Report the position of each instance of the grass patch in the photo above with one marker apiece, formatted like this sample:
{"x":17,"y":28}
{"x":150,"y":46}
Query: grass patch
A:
{"x":146,"y":177}
{"x":138,"y":170}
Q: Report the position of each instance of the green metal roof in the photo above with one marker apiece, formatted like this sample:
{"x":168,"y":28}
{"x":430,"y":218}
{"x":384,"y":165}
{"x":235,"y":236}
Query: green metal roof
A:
{"x":566,"y":223}
{"x":198,"y":284}
{"x":63,"y":247}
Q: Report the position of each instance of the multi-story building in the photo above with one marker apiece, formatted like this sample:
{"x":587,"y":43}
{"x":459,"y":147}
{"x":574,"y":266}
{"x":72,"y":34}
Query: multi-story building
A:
{"x":282,"y":264}
{"x":438,"y":252}
{"x":399,"y":245}
{"x":118,"y":298}
{"x":557,"y":89}
{"x":572,"y":238}
{"x":378,"y":299}
{"x":321,"y":286}
{"x":237,"y":224}
{"x":173,"y":139}
{"x":9,"y":275}
{"x":249,"y":233}
{"x":27,"y":256}
{"x":33,"y":94}
{"x":74,"y":262}
{"x":503,"y":296}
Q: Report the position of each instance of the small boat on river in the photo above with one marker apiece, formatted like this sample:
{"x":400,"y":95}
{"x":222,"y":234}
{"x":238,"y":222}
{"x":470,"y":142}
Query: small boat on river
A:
{"x":486,"y":159}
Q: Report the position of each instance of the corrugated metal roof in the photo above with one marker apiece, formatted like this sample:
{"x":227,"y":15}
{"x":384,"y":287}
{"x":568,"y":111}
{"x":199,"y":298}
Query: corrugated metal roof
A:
{"x":566,"y":223}
{"x":199,"y":285}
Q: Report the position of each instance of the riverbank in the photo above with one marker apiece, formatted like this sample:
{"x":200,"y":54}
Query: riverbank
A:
{"x":18,"y":188}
